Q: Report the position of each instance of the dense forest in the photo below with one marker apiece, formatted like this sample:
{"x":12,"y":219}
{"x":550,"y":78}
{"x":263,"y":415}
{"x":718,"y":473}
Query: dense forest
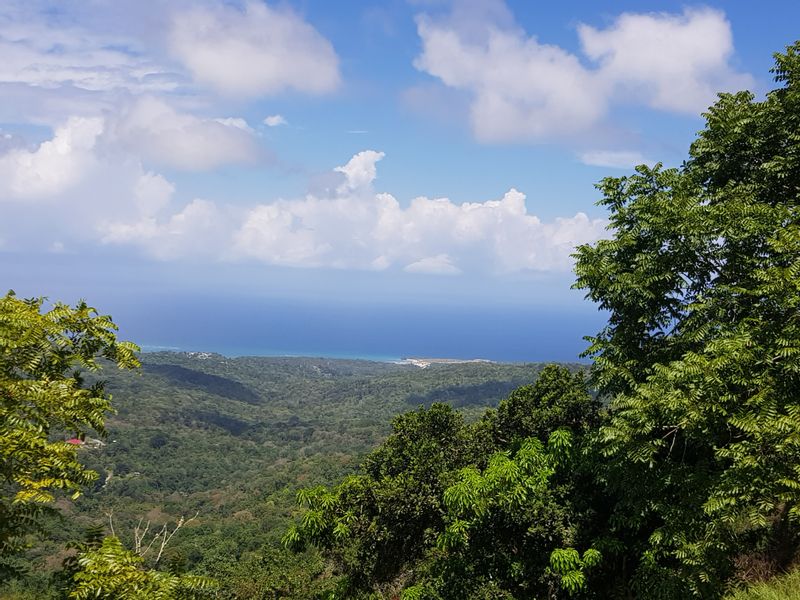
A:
{"x":232,"y":439}
{"x":670,"y":470}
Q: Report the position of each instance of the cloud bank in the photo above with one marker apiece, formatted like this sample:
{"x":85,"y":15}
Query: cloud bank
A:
{"x":95,"y":197}
{"x":352,"y":226}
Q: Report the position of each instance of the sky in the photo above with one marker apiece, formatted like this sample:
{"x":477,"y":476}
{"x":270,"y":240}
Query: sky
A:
{"x":406,"y":177}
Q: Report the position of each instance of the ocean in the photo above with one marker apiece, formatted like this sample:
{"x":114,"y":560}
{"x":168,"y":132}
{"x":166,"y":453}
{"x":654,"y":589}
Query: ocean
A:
{"x":379,"y":333}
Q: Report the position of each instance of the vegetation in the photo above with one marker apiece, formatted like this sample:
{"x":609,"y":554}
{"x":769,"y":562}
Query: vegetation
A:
{"x":701,"y":354}
{"x":106,"y":569}
{"x":46,"y":411}
{"x":43,"y":401}
{"x":784,"y":587}
{"x":232,"y":440}
{"x":448,"y":509}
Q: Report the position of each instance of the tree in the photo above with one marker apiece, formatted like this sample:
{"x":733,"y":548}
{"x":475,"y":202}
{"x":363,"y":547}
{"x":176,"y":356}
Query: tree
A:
{"x":105,"y":570}
{"x":447,"y":510}
{"x":507,"y":527}
{"x":701,"y":354}
{"x":44,"y":402}
{"x":558,"y":398}
{"x":376,"y":526}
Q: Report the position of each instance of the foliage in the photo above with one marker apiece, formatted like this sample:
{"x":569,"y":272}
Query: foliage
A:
{"x":558,"y":399}
{"x":701,"y":354}
{"x":441,"y":511}
{"x":273,"y":572}
{"x":43,"y":400}
{"x":507,"y":525}
{"x":188,"y":436}
{"x":378,"y":524}
{"x":107,"y":570}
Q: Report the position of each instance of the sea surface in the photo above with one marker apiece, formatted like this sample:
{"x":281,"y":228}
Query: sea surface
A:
{"x":244,"y":309}
{"x":384,"y":334}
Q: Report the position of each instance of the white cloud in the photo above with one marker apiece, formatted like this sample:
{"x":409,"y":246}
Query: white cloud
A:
{"x":614,"y":159}
{"x":254,"y":51}
{"x":64,"y":192}
{"x":149,"y":130}
{"x":196,"y":231}
{"x":80,"y":60}
{"x":89,"y":58}
{"x":152,"y":129}
{"x":671,"y":62}
{"x":275,"y":121}
{"x":522,"y":89}
{"x":44,"y":55}
{"x":152,"y":193}
{"x":110,"y":198}
{"x":360,"y":170}
{"x":353,"y":226}
{"x":358,"y":228}
{"x":55,"y":166}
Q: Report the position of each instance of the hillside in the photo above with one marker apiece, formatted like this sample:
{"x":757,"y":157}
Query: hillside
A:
{"x":232,"y":439}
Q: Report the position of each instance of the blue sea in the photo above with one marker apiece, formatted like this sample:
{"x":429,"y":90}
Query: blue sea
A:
{"x":385,"y":333}
{"x":251,"y":310}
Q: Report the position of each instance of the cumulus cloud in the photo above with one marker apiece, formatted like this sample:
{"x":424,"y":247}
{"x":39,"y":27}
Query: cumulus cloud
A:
{"x":353,"y":226}
{"x":78,"y":185}
{"x":97,"y":194}
{"x":152,"y":193}
{"x":360,"y":171}
{"x":522,"y":89}
{"x":158,"y":133}
{"x":275,"y":121}
{"x":254,"y":51}
{"x":98,"y":197}
{"x":356,"y":227}
{"x":668,"y":61}
{"x":198,"y":230}
{"x":55,"y":165}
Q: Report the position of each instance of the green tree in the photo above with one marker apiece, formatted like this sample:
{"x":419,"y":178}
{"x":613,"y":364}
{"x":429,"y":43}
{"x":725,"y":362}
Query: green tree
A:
{"x":44,"y":401}
{"x":510,"y":527}
{"x":375,"y":526}
{"x":701,"y":354}
{"x":106,"y":570}
{"x":558,"y":398}
{"x":447,"y":510}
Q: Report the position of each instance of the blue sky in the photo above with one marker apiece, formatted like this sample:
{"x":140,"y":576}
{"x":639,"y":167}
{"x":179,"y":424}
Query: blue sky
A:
{"x":407,"y":160}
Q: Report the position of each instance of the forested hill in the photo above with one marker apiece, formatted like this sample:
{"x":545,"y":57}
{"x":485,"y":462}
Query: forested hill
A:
{"x":234,"y":438}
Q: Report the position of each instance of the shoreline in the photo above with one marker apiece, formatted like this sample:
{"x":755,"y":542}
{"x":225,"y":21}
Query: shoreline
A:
{"x":417,"y":361}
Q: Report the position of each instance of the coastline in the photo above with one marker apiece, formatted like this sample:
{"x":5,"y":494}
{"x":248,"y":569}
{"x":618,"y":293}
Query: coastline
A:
{"x":421,"y":362}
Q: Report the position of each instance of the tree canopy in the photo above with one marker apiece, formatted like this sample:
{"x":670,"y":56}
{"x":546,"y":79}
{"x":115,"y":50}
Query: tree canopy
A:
{"x":44,"y":403}
{"x":701,"y":354}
